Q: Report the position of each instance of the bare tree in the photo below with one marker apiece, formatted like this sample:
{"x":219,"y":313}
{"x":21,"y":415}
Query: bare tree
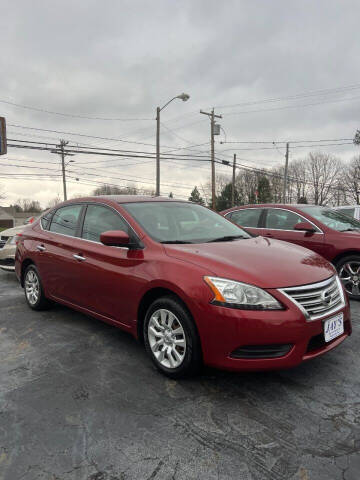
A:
{"x":297,"y":179}
{"x":246,"y":184}
{"x":351,"y":179}
{"x":2,"y":193}
{"x":113,"y":190}
{"x":27,"y":205}
{"x":322,"y":173}
{"x":277,"y":182}
{"x":53,"y":202}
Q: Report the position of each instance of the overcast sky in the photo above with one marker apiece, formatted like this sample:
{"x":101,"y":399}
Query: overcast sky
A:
{"x":121,"y":59}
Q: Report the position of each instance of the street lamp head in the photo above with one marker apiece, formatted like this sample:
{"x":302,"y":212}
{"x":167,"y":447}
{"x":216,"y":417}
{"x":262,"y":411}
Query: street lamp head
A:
{"x":184,"y":97}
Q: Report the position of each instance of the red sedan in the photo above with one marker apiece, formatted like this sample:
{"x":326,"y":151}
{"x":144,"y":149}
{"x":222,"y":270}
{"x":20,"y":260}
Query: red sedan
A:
{"x":185,"y":281}
{"x":324,"y":230}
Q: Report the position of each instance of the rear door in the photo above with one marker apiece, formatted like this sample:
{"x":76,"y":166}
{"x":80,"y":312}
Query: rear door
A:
{"x":55,"y":251}
{"x":279,"y":223}
{"x":249,"y":218}
{"x":106,"y":279}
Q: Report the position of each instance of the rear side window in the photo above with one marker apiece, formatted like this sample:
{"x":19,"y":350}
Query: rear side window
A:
{"x":246,"y":218}
{"x":99,"y":219}
{"x":45,"y":220}
{"x":278,"y":219}
{"x":350,"y":212}
{"x":65,"y":220}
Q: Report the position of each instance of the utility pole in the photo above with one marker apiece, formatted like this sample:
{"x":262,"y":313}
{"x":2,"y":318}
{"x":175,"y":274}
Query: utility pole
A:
{"x":61,"y":149}
{"x":157,"y":190}
{"x":62,"y":145}
{"x":212,"y":117}
{"x":233,"y":182}
{"x":286,"y":172}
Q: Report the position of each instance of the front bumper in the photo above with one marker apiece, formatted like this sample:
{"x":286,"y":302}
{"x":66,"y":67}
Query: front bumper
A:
{"x":7,"y":264}
{"x":7,"y":258}
{"x":223,"y":330}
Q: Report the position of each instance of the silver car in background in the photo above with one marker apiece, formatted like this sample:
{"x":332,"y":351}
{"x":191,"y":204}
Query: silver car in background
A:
{"x":352,"y":211}
{"x":8,"y":245}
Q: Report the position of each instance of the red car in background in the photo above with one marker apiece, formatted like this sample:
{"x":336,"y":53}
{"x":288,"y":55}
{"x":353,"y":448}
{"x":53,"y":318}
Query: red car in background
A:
{"x":326,"y":231}
{"x":189,"y":284}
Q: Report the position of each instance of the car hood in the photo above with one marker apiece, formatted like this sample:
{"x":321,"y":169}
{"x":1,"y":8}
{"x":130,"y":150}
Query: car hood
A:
{"x":260,"y":261}
{"x":10,"y":232}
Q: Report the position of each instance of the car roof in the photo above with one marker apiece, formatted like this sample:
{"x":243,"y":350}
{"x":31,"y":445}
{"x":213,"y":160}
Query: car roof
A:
{"x":289,"y":206}
{"x":122,"y":199}
{"x":139,"y":198}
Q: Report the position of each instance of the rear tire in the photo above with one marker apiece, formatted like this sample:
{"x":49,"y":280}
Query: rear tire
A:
{"x":34,"y":292}
{"x":171,"y":339}
{"x":348,"y":269}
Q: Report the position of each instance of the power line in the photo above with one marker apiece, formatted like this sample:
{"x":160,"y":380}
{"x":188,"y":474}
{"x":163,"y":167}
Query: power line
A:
{"x":71,"y":115}
{"x":291,"y":141}
{"x":295,"y":146}
{"x":91,"y":136}
{"x":293,"y":106}
{"x":328,"y":91}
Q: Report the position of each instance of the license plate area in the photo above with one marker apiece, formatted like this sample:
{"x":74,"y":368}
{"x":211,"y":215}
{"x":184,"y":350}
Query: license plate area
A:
{"x":333,"y":327}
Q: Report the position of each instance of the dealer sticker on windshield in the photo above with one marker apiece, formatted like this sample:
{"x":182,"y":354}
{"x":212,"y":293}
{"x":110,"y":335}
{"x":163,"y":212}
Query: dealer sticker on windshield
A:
{"x":333,"y":327}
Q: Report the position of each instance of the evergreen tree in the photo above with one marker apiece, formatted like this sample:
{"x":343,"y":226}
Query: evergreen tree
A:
{"x":171,"y":195}
{"x":302,"y":200}
{"x":195,"y":197}
{"x":223,"y":201}
{"x":264,"y":190}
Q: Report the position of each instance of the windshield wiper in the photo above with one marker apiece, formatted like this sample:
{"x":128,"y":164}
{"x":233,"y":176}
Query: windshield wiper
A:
{"x":226,"y":238}
{"x":175,"y":241}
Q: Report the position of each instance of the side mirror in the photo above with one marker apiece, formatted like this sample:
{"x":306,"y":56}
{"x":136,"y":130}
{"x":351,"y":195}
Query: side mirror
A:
{"x":115,"y":238}
{"x":305,"y":227}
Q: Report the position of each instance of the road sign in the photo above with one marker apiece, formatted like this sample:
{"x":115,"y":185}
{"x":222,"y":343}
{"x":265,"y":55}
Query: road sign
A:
{"x":3,"y":142}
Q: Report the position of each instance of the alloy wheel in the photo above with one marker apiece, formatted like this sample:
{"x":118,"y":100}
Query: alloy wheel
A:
{"x":32,"y":287}
{"x":350,"y":276}
{"x":166,"y":338}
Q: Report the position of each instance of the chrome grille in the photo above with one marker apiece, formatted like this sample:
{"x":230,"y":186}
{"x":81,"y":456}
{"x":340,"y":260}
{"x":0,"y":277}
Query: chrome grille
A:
{"x":317,"y":299}
{"x":3,"y":240}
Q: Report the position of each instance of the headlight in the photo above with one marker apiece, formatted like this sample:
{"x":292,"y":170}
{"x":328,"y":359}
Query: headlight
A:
{"x":229,"y":293}
{"x":11,"y":240}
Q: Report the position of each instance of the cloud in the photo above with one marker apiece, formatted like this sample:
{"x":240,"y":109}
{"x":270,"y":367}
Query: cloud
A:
{"x":123,"y":58}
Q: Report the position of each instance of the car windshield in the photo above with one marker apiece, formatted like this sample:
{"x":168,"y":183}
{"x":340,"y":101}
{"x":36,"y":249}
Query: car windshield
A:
{"x":332,"y":218}
{"x":177,"y":222}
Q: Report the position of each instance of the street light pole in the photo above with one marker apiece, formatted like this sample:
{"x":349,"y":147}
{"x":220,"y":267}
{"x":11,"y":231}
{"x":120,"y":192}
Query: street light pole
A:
{"x":184,"y":97}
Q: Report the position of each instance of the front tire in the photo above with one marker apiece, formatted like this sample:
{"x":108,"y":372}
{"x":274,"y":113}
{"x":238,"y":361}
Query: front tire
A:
{"x":348,"y":269}
{"x":171,"y":339}
{"x":34,"y":292}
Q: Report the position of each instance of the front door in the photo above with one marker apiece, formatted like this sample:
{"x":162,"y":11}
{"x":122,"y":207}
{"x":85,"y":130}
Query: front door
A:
{"x":279,"y":223}
{"x":107,"y":278}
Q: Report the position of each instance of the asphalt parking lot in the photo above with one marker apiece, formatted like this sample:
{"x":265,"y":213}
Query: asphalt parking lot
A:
{"x":79,"y":400}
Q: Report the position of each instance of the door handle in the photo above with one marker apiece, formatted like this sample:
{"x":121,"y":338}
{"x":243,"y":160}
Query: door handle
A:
{"x":41,"y":248}
{"x":268,"y":235}
{"x":79,"y":257}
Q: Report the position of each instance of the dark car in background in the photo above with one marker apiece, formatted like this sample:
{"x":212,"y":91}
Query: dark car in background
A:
{"x":324,"y":230}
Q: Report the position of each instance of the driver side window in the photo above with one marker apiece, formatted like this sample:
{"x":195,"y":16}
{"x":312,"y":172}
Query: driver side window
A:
{"x":99,"y":219}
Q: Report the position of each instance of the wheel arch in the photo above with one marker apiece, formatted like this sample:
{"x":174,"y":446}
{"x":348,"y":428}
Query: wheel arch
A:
{"x":148,"y":298}
{"x":24,"y":264}
{"x":347,"y":253}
